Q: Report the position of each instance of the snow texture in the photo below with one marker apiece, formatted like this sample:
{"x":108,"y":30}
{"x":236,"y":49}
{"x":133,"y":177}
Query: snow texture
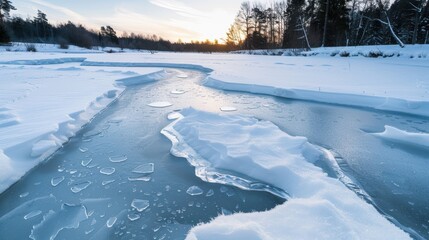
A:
{"x":319,"y":206}
{"x":397,"y":135}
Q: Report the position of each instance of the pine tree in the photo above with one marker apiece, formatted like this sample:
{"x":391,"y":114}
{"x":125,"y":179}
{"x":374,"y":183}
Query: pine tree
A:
{"x":329,"y":25}
{"x":292,"y":36}
{"x":5,"y":8}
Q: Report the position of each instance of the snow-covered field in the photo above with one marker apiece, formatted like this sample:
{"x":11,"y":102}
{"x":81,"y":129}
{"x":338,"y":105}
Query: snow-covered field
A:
{"x":47,"y":96}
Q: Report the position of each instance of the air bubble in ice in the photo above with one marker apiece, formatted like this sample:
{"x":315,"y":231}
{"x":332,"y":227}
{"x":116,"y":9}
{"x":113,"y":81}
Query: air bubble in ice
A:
{"x":24,"y":194}
{"x":194,"y":190}
{"x":118,"y":159}
{"x":210,"y":193}
{"x":57,"y":180}
{"x":111,"y":222}
{"x":82,"y":149}
{"x":86,"y":162}
{"x":133,"y":217}
{"x":107,"y":171}
{"x":140,"y":205}
{"x":177,"y":92}
{"x":228,"y":109}
{"x":107,"y":182}
{"x":144,"y":168}
{"x":80,"y":186}
{"x":182,"y":76}
{"x":32,"y":214}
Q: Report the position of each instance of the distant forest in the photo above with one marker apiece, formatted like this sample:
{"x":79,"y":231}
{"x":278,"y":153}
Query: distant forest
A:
{"x":299,"y":24}
{"x":318,"y":23}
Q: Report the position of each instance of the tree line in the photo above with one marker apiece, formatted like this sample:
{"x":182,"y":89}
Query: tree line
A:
{"x":318,"y":23}
{"x":39,"y":30}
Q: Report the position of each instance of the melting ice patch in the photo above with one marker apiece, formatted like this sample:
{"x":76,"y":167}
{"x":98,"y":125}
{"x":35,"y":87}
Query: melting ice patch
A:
{"x":261,"y":151}
{"x":69,"y":216}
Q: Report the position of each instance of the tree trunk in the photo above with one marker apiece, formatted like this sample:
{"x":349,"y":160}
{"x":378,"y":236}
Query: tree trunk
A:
{"x":325,"y":24}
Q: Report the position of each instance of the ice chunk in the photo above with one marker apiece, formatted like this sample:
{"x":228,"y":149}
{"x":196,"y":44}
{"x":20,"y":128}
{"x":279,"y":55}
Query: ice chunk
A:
{"x":83,"y":149}
{"x":143,"y":179}
{"x":104,"y":183}
{"x":57,"y":180}
{"x":210,"y":193}
{"x":80,"y":186}
{"x":133,"y":216}
{"x":118,"y":159}
{"x":22,"y":195}
{"x":86,"y":162}
{"x":68,"y":217}
{"x":174,"y":116}
{"x":228,"y":109}
{"x":107,"y":171}
{"x":160,"y":104}
{"x":32,"y":214}
{"x":146,"y":168}
{"x":111,"y":222}
{"x":194,"y":190}
{"x":140,"y":205}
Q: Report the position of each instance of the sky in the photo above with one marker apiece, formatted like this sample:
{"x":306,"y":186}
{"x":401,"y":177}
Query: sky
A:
{"x":170,"y":19}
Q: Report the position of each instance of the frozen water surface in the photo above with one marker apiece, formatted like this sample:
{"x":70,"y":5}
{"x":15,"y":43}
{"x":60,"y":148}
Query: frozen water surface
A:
{"x":394,"y":175}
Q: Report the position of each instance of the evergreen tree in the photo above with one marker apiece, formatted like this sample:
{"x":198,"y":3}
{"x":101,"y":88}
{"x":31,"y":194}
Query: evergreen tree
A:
{"x":329,"y":25}
{"x":292,"y":37}
{"x":5,"y":8}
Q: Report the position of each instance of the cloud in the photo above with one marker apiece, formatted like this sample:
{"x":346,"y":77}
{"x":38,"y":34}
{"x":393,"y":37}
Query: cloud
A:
{"x":179,"y":7}
{"x":74,"y":16}
{"x":125,"y":20}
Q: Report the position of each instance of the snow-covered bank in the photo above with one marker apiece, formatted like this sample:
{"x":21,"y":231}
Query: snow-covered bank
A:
{"x":375,"y":51}
{"x":356,"y":100}
{"x":393,"y":84}
{"x":401,"y":136}
{"x":326,"y":208}
{"x":41,"y":108}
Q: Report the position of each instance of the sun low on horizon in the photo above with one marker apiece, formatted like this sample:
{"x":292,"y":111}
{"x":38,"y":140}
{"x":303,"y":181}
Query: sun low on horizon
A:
{"x":185,"y":20}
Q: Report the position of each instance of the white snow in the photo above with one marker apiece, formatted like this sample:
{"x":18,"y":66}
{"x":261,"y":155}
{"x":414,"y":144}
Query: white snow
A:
{"x":394,"y":84}
{"x":401,"y":136}
{"x":320,"y":206}
{"x":41,"y":107}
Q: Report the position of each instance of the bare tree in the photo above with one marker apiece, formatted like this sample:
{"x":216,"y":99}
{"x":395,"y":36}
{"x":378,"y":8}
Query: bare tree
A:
{"x":400,"y":43}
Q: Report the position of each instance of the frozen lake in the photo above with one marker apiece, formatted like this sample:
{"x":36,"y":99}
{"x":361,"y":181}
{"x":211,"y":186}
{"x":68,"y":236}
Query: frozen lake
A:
{"x":117,"y":179}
